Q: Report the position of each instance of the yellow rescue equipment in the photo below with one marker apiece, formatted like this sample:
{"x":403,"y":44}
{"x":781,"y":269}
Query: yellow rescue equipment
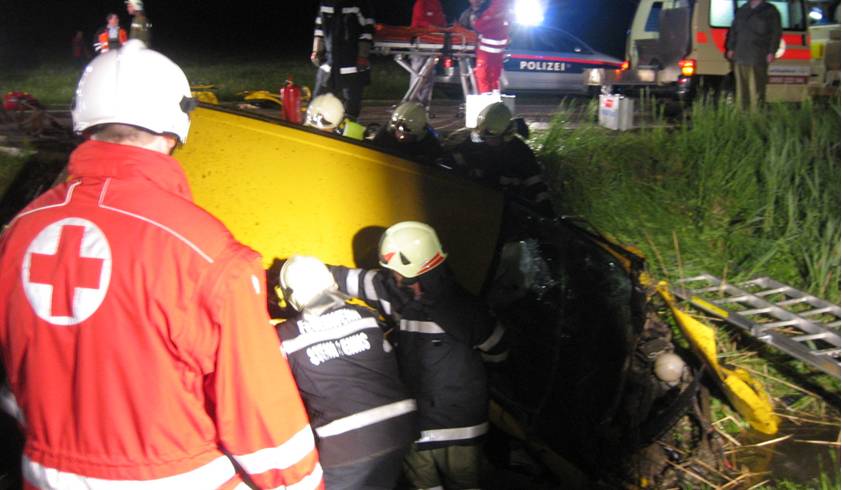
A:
{"x":285,"y":189}
{"x":746,"y":394}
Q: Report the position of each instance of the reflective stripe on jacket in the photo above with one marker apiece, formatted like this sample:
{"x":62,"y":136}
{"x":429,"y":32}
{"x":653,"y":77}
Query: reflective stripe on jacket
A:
{"x":104,"y":43}
{"x":348,"y":377}
{"x":136,"y":341}
{"x":347,"y":27}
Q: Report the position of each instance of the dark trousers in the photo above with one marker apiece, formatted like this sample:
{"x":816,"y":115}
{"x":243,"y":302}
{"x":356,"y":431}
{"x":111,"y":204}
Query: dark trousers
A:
{"x":377,"y":473}
{"x":348,"y":87}
{"x":751,"y":85}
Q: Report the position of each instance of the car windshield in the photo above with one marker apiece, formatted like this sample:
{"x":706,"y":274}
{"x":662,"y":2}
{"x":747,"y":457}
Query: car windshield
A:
{"x":547,"y":39}
{"x":792,"y":13}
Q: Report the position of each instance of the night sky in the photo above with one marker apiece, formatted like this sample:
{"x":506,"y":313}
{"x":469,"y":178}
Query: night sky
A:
{"x":41,"y":30}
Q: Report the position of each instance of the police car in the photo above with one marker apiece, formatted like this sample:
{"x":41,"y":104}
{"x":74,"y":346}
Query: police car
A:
{"x":544,"y":58}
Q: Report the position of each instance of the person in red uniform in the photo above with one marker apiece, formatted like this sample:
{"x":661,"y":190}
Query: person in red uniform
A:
{"x":112,"y":36}
{"x":134,"y":330}
{"x":490,"y":19}
{"x":425,"y":14}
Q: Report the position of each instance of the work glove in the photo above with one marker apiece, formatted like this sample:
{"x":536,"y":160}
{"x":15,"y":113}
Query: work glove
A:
{"x":317,"y":58}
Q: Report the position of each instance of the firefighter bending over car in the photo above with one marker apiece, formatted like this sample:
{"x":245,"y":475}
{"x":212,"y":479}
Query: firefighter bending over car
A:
{"x":490,"y":20}
{"x":444,"y":333}
{"x":326,"y":113}
{"x":346,"y":370}
{"x":134,"y":330}
{"x":408,"y":133}
{"x":112,"y":36}
{"x":342,"y":42}
{"x":494,"y":153}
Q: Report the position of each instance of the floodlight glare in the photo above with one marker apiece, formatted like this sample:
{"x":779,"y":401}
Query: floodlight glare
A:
{"x":529,"y":12}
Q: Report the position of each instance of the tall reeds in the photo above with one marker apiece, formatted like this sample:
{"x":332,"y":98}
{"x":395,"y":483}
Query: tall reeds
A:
{"x":747,"y":194}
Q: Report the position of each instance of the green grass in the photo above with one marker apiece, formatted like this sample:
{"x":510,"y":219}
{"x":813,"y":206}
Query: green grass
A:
{"x":735,"y":194}
{"x":9,"y":167}
{"x":53,"y":83}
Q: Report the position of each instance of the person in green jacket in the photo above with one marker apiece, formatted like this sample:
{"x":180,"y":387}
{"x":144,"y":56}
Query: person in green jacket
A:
{"x":141,"y":27}
{"x":752,"y":42}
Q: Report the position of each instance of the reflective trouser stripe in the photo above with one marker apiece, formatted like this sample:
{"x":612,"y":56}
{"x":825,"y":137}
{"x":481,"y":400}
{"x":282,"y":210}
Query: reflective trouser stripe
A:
{"x":493,"y":339}
{"x":420,"y":327}
{"x":366,"y":418}
{"x":455,"y":434}
{"x":488,"y":49}
{"x":493,"y":42}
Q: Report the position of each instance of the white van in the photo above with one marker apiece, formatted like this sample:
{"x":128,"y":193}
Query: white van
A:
{"x":676,"y":48}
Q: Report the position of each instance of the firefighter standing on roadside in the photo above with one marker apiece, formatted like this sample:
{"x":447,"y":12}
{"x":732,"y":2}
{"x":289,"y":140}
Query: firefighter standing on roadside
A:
{"x":141,"y":27}
{"x":134,"y":330}
{"x":753,"y":39}
{"x":408,"y":133}
{"x":444,"y":334}
{"x":112,"y":36}
{"x":360,"y":410}
{"x":493,"y":153}
{"x":490,"y":20}
{"x":341,"y":45}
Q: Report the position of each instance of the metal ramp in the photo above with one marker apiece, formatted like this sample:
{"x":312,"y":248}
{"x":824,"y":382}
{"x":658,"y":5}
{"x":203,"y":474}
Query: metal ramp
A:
{"x":802,"y":325}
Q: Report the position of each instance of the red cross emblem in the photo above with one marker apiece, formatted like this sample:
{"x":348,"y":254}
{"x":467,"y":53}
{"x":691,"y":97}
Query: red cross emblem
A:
{"x":66,"y":271}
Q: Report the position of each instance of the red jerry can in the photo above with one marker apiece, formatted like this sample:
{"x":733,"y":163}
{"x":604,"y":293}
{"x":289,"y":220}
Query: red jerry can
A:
{"x":291,"y":102}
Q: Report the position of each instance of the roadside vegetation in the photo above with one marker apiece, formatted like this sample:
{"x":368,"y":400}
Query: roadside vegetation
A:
{"x":734,"y":194}
{"x":53,"y":83}
{"x":737,"y":195}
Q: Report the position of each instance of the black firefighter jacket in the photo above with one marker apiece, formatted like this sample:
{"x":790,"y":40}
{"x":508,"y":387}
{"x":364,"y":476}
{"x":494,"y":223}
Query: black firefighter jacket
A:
{"x":347,"y":27}
{"x":442,"y":342}
{"x":347,"y":374}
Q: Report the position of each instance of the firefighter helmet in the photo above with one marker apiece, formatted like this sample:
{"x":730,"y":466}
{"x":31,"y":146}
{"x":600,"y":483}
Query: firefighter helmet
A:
{"x":304,"y":279}
{"x":325,"y":112}
{"x":137,"y":86}
{"x":408,"y":121}
{"x":411,"y":248}
{"x":669,"y":368}
{"x":494,"y":120}
{"x":136,"y":4}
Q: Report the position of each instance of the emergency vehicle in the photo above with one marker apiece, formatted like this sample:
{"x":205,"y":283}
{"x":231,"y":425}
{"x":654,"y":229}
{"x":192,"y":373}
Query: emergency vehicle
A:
{"x":677,"y":48}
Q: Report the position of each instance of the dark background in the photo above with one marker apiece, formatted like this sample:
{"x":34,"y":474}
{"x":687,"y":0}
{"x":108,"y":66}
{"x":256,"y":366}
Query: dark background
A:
{"x":32,"y":31}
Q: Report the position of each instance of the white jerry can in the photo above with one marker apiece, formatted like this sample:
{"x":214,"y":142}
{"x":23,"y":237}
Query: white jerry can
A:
{"x":616,"y":112}
{"x":474,"y":104}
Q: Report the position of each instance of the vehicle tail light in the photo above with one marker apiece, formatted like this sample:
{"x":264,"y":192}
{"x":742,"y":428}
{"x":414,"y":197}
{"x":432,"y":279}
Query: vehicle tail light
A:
{"x":688,"y":67}
{"x":624,"y":66}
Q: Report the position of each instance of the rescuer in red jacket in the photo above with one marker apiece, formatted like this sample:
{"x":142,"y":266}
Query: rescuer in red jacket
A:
{"x":425,"y":14}
{"x":490,"y":19}
{"x":133,"y":327}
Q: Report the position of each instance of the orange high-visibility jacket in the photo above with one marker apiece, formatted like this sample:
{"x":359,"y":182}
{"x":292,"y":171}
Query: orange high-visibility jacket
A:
{"x":103,"y":43}
{"x":134,"y":332}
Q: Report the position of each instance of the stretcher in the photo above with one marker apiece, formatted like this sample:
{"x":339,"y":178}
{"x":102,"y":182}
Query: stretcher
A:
{"x":456,"y":44}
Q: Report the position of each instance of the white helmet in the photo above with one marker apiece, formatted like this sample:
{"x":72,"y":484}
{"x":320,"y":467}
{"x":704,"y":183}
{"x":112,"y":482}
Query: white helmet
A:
{"x":411,"y":248}
{"x":669,"y":368}
{"x":304,"y":279}
{"x":494,"y":120}
{"x":325,"y":112}
{"x":136,"y":4}
{"x":136,"y":86}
